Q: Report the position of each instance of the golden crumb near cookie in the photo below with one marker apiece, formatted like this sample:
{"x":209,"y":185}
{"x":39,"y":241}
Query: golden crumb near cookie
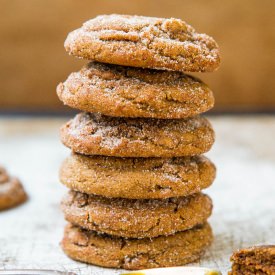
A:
{"x":190,"y":270}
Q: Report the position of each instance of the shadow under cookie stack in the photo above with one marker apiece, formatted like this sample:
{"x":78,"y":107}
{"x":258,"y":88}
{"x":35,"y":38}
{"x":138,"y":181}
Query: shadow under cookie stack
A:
{"x":136,"y":170}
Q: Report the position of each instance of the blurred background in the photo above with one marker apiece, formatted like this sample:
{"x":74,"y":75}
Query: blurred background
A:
{"x":33,"y":60}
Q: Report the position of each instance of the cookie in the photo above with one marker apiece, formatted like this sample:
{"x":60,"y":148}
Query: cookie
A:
{"x":136,"y":218}
{"x":146,"y":42}
{"x":11,"y":191}
{"x":109,"y":251}
{"x":254,"y":260}
{"x":137,"y":178}
{"x":131,"y":92}
{"x":96,"y":134}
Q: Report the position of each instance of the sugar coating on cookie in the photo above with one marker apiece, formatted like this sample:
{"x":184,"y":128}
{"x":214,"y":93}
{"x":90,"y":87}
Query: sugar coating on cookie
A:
{"x":146,"y":42}
{"x":137,"y":178}
{"x":117,"y":252}
{"x":134,"y":92}
{"x":11,"y":191}
{"x":96,"y":134}
{"x":254,"y":260}
{"x":136,"y":218}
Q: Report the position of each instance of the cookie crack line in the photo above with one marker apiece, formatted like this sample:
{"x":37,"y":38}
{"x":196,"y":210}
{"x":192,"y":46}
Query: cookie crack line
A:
{"x":170,"y":58}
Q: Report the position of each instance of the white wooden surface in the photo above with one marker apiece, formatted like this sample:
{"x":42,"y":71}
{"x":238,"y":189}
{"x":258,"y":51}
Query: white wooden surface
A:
{"x":243,"y":194}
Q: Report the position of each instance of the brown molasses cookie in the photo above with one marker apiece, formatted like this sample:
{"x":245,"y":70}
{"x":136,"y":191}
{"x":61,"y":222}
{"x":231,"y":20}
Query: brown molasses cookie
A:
{"x":137,"y":178}
{"x":109,"y":251}
{"x":11,"y":191}
{"x":96,"y":134}
{"x":131,"y":92}
{"x":146,"y":42}
{"x":254,"y":260}
{"x":136,"y":218}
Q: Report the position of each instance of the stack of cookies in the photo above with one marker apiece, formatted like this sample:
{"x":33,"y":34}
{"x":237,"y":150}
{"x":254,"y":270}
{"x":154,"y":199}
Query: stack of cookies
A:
{"x":136,"y":171}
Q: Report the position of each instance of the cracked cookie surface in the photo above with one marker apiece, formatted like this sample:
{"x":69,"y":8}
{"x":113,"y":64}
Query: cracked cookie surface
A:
{"x":137,"y":178}
{"x":136,"y":218}
{"x":258,"y":260}
{"x":96,"y":134}
{"x":146,"y":42}
{"x":117,"y":252}
{"x":133,"y":92}
{"x":11,"y":191}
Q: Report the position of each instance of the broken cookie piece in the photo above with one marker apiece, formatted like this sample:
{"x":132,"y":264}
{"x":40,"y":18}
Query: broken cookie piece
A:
{"x":254,"y":260}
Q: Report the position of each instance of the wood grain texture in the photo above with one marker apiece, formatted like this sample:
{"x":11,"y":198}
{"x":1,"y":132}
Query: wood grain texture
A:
{"x":33,"y":59}
{"x":243,"y":194}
